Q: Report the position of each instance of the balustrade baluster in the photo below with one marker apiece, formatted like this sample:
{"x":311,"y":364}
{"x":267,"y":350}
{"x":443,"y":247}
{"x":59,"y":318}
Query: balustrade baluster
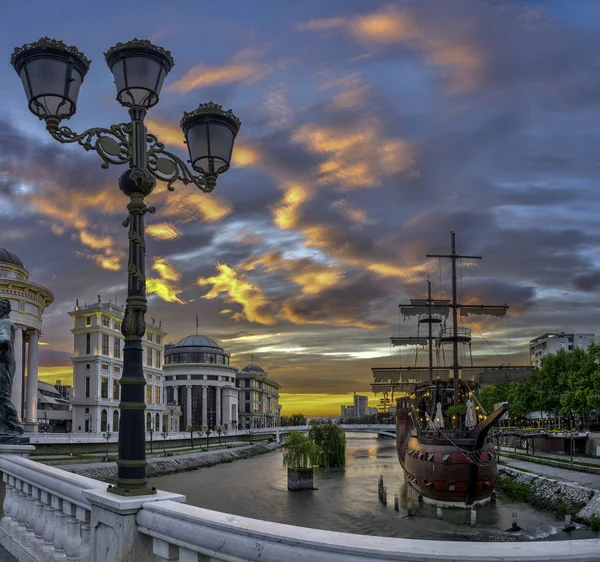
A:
{"x":29,"y":535}
{"x":186,"y":555}
{"x":49,"y":530}
{"x":73,"y":536}
{"x":85,"y":547}
{"x":21,"y":529}
{"x":60,"y":529}
{"x":8,"y":499}
{"x":40,"y":521}
{"x":14,"y":508}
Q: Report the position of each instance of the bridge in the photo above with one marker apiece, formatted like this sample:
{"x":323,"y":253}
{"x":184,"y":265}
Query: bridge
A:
{"x":50,"y":514}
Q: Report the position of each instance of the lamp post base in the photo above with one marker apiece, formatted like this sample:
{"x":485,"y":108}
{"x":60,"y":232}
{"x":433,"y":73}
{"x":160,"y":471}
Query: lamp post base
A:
{"x":123,"y":490}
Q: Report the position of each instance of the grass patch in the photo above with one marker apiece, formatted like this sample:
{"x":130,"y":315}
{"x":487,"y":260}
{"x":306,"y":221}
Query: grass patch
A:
{"x":525,"y":493}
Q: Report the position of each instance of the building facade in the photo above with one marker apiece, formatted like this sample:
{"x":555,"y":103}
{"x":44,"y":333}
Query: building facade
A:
{"x":200,"y":380}
{"x":361,"y":406}
{"x":98,"y":366}
{"x":54,"y":412}
{"x":259,"y":398}
{"x":28,"y":302}
{"x":552,"y":342}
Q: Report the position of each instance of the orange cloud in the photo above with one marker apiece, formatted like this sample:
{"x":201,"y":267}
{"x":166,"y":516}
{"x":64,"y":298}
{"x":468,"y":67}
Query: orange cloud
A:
{"x":354,"y":157}
{"x":357,"y":216}
{"x":285,"y":214}
{"x":242,"y":67}
{"x":255,"y":305}
{"x":165,"y":285}
{"x":393,"y":26}
{"x":163,"y":231}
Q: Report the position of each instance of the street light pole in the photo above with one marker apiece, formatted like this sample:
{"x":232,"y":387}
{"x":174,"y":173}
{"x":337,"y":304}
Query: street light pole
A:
{"x":52,"y":74}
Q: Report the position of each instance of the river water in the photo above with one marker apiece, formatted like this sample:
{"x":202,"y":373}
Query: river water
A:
{"x":347,"y":500}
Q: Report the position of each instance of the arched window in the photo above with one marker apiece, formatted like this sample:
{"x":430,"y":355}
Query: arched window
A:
{"x":115,"y":420}
{"x":148,"y":421}
{"x":157,"y":422}
{"x":103,"y":420}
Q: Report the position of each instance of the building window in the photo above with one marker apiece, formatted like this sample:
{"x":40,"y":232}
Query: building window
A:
{"x":247,"y":396}
{"x":116,"y":369}
{"x":106,"y":321}
{"x":104,"y":387}
{"x":87,"y":366}
{"x":117,"y":348}
{"x":181,"y":377}
{"x":158,"y":359}
{"x":212,"y":378}
{"x":115,"y":390}
{"x":87,"y":387}
{"x":104,"y":344}
{"x":148,"y":394}
{"x":149,"y":336}
{"x":88,"y":320}
{"x":168,"y":378}
{"x":157,"y":395}
{"x":103,"y":420}
{"x":196,"y":377}
{"x":116,"y":325}
{"x":88,"y":344}
{"x":149,"y":357}
{"x":104,"y":366}
{"x":158,"y":340}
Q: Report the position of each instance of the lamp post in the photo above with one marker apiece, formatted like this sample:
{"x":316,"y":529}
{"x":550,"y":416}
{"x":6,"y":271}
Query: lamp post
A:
{"x":52,"y":74}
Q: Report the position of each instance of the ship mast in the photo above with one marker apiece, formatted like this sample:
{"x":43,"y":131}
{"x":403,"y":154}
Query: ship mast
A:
{"x":454,"y":256}
{"x":430,"y":338}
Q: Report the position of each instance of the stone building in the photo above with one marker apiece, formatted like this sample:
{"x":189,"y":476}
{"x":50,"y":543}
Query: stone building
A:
{"x":98,"y":366}
{"x":28,"y":302}
{"x":200,"y":380}
{"x":259,"y":398}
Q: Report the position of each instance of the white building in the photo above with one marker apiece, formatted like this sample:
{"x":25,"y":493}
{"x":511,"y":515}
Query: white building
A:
{"x":259,"y":398}
{"x":361,"y":406}
{"x":347,"y":412}
{"x":28,"y":302}
{"x":552,"y":342}
{"x":200,"y":380}
{"x":98,"y":366}
{"x":54,"y":412}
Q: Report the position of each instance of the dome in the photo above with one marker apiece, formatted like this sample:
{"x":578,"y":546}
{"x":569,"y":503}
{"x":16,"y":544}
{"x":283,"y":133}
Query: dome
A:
{"x":10,"y":258}
{"x":197,"y":341}
{"x":253,"y":369}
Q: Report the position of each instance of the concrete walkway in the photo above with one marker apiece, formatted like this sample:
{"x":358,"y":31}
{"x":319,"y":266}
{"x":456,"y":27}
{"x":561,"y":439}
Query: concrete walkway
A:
{"x":564,"y":474}
{"x":589,"y":460}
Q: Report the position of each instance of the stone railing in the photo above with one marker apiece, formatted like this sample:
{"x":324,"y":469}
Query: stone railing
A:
{"x":46,"y":515}
{"x":191,"y":534}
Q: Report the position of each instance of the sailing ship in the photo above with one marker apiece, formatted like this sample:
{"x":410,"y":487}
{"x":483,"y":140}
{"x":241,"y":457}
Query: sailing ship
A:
{"x":442,"y":431}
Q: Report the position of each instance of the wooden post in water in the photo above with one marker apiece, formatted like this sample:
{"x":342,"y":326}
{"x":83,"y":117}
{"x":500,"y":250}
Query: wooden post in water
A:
{"x":395,"y":503}
{"x":473,"y":517}
{"x":440,"y":513}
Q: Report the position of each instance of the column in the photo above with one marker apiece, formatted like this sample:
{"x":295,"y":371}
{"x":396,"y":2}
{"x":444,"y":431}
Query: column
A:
{"x":17,"y":387}
{"x":188,"y":408}
{"x":218,"y":420}
{"x":226,"y":413}
{"x":176,"y":395}
{"x":31,"y":423}
{"x":204,"y":408}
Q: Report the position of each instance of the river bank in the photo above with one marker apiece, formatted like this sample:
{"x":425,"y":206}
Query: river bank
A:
{"x":161,"y":466}
{"x":558,"y":497}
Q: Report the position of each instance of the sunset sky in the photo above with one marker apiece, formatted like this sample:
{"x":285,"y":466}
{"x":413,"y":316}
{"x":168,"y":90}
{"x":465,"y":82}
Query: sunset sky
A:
{"x":370,"y":130}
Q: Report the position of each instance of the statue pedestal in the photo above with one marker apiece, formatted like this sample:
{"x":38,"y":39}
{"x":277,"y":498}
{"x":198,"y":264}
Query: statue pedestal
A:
{"x":19,"y":450}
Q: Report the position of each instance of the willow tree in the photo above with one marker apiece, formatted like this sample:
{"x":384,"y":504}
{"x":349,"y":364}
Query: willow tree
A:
{"x":331,"y":439}
{"x":300,"y":455}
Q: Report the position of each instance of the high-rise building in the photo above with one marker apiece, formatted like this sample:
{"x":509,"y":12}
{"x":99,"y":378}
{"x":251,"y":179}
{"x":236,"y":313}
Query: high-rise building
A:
{"x":259,"y":398}
{"x":552,"y":342}
{"x":98,"y":366}
{"x":361,"y":405}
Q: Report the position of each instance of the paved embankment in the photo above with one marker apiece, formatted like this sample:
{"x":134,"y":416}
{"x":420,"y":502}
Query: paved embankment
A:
{"x":107,"y":472}
{"x":559,"y":496}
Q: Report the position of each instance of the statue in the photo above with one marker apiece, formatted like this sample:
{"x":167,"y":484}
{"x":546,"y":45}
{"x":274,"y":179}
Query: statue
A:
{"x":11,"y":430}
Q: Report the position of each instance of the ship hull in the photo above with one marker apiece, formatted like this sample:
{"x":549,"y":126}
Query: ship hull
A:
{"x":441,"y":471}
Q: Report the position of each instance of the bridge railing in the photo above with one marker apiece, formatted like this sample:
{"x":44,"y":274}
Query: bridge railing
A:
{"x":181,"y":533}
{"x":46,"y":515}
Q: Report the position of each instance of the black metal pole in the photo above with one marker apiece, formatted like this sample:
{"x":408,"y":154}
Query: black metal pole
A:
{"x":430,"y":334}
{"x":454,"y":329}
{"x":136,"y":183}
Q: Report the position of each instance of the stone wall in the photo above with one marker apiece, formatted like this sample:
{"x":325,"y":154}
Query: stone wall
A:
{"x":170,"y":465}
{"x":562,"y":498}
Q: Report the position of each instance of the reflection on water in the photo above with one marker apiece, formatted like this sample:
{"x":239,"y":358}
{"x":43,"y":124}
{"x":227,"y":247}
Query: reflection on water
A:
{"x":347,"y":499}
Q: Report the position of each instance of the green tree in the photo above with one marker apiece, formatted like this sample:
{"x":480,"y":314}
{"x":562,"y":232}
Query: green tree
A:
{"x":331,"y":440}
{"x":300,"y":452}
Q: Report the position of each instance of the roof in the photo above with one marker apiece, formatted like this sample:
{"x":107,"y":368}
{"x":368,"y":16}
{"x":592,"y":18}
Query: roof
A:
{"x":195,"y":343}
{"x":8,"y":257}
{"x":253,"y":369}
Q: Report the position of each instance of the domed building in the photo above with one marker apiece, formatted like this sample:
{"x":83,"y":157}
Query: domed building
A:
{"x":28,"y":302}
{"x":200,"y":380}
{"x":259,"y":398}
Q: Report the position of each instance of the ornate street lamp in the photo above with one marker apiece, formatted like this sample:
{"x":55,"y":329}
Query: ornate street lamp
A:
{"x":52,"y":74}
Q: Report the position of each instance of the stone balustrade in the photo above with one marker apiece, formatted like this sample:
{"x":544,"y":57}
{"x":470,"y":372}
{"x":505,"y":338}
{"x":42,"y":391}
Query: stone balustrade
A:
{"x":46,"y":516}
{"x":191,"y":534}
{"x":53,"y":515}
